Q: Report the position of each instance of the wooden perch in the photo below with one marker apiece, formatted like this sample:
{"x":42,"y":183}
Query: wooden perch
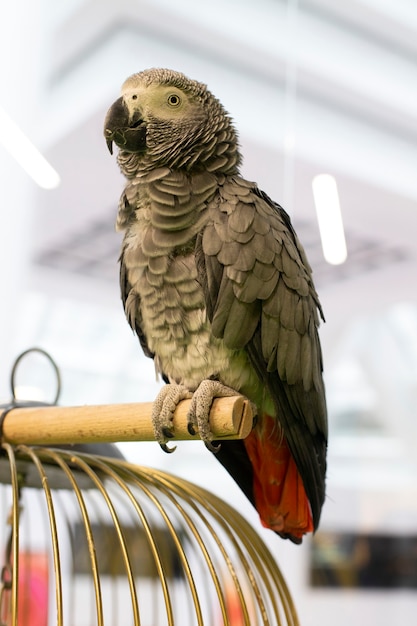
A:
{"x":230,"y":418}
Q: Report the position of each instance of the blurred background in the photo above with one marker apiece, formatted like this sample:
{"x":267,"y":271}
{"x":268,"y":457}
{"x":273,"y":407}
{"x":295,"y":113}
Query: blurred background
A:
{"x":315,"y":87}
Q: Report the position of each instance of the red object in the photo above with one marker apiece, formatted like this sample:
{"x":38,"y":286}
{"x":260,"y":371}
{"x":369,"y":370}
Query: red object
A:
{"x":32,"y":597}
{"x":280,"y":497}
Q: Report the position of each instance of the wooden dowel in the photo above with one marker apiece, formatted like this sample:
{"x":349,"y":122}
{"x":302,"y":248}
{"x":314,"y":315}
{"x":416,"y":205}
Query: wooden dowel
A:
{"x":230,"y":418}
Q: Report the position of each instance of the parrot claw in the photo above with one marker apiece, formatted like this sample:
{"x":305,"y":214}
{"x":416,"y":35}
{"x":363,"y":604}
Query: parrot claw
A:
{"x":210,"y":446}
{"x":166,"y":449}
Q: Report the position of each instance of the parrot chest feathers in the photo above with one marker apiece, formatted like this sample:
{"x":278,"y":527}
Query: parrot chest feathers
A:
{"x":171,"y":307}
{"x":162,"y":215}
{"x":172,"y":203}
{"x":174,"y":321}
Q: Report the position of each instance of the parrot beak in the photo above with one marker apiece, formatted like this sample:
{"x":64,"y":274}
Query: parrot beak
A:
{"x":117,"y":117}
{"x":128,"y":134}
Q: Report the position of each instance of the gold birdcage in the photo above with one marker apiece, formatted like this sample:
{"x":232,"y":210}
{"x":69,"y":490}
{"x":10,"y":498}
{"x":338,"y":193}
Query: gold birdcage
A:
{"x":93,"y":540}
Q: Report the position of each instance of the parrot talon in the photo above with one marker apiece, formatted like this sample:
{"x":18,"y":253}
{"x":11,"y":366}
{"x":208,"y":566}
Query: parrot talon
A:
{"x":167,"y":449}
{"x":213,"y":448}
{"x":191,"y":429}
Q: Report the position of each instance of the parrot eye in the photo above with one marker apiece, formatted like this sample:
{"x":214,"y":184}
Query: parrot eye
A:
{"x":134,"y":97}
{"x":174,"y":100}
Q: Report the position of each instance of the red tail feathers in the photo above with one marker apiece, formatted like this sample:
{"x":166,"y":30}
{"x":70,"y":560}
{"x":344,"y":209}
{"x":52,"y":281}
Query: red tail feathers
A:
{"x":280,"y":497}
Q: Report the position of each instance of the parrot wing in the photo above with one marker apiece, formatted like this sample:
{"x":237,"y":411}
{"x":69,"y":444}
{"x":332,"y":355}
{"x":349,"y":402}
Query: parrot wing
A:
{"x":131,"y":305}
{"x":260,"y":297}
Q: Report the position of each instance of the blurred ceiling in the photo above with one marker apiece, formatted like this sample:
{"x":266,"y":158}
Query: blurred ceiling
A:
{"x":324,"y":88}
{"x":314,"y":86}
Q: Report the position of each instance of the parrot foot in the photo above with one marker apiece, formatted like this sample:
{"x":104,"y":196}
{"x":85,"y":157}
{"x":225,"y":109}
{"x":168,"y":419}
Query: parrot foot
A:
{"x":163,"y":410}
{"x":198,"y":414}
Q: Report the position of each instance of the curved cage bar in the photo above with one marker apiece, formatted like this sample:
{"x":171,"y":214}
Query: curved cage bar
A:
{"x":91,"y":540}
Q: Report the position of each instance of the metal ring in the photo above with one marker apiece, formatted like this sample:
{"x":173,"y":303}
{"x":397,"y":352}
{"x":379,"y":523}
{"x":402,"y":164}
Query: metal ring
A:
{"x":52,"y":362}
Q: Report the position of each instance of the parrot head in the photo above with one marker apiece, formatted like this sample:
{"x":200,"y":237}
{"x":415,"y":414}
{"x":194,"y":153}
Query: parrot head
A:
{"x":166,"y":119}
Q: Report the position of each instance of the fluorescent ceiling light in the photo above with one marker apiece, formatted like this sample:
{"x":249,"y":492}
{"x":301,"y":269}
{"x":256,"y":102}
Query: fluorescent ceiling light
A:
{"x":329,"y":217}
{"x":25,"y":153}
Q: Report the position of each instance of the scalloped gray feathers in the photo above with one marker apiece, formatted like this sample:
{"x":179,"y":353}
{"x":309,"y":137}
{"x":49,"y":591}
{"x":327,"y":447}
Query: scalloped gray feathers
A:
{"x":265,"y":280}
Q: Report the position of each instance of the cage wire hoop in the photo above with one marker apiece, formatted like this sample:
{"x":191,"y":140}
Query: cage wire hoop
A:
{"x":90,"y":540}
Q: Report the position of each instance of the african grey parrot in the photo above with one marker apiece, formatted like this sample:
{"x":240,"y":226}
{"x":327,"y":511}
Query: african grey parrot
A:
{"x":219,"y":291}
